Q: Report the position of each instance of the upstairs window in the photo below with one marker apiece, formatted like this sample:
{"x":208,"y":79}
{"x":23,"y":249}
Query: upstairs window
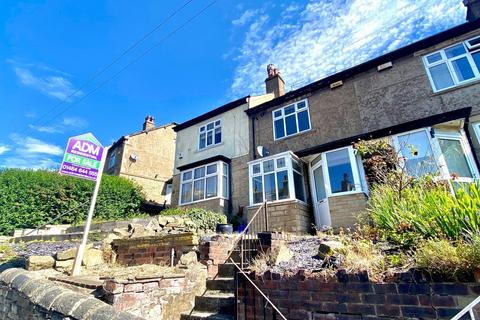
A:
{"x":454,"y":65}
{"x":290,"y":120}
{"x":112,"y":160}
{"x":204,"y":182}
{"x":210,"y":134}
{"x":278,"y":177}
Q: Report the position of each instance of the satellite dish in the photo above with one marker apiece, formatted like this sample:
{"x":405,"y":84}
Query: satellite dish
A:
{"x":133,"y":157}
{"x":262,"y":151}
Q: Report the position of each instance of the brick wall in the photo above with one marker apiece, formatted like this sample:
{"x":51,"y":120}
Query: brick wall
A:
{"x":214,"y":252}
{"x":25,"y":296}
{"x":411,"y":295}
{"x":156,"y":250}
{"x":164,"y":297}
{"x":289,"y":216}
{"x":345,"y":209}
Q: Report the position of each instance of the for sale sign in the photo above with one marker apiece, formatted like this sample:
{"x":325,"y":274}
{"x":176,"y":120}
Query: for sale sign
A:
{"x":82,"y":157}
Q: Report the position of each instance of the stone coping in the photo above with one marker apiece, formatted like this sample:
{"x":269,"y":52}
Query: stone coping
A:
{"x":146,"y":278}
{"x":47,"y":295}
{"x":179,"y":238}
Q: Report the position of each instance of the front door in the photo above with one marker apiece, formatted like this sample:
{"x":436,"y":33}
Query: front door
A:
{"x":320,"y":200}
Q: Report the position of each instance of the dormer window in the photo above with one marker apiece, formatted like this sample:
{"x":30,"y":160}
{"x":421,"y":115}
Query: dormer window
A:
{"x":455,"y":65}
{"x":210,"y":134}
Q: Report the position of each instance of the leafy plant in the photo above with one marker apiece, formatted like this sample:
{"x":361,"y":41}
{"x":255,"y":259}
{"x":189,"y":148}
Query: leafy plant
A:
{"x":30,"y":198}
{"x":203,"y":219}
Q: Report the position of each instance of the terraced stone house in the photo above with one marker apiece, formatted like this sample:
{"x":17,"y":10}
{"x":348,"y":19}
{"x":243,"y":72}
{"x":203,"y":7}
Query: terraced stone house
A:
{"x":425,"y":95}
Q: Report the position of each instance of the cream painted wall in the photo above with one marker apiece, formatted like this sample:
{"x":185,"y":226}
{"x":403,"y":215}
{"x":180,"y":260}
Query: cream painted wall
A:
{"x":234,"y":138}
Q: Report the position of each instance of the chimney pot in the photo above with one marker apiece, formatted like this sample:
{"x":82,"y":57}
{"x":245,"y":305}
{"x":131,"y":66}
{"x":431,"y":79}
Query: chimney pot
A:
{"x":473,"y":9}
{"x":274,"y":83}
{"x":149,"y":123}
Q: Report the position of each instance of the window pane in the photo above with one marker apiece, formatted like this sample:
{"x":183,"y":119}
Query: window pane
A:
{"x":296,"y":165}
{"x":463,"y":69}
{"x":212,"y":168}
{"x":279,"y":129}
{"x":301,"y":105}
{"x":202,"y":129}
{"x":476,"y":58}
{"x":209,"y":138}
{"x":415,"y":147}
{"x":441,"y":76}
{"x":340,"y":171}
{"x":282,"y":185}
{"x":217,"y":123}
{"x":289,"y":109}
{"x":319,"y":184}
{"x":455,"y":158}
{"x":199,"y":190}
{"x":299,"y":190}
{"x":268,"y":166}
{"x":257,"y":187}
{"x":277,"y":113}
{"x":211,"y":187}
{"x":202,"y":141}
{"x":291,"y":124}
{"x":210,"y":126}
{"x":303,"y":122}
{"x":280,"y":163}
{"x":256,"y":168}
{"x":218,"y":135}
{"x":225,"y":169}
{"x":269,"y":180}
{"x":187,"y":175}
{"x":199,"y":172}
{"x":186,"y":192}
{"x":225,"y":187}
{"x":455,"y":51}
{"x":434,"y":57}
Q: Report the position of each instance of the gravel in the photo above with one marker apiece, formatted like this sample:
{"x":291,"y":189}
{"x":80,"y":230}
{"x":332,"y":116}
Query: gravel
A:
{"x":43,"y":248}
{"x":304,"y":256}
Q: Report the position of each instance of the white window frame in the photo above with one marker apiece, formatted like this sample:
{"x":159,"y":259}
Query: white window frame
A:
{"x":220,"y":183}
{"x":282,"y":116}
{"x":112,"y":160}
{"x":288,"y":156}
{"x":205,"y":131}
{"x":448,"y":61}
{"x":439,"y":159}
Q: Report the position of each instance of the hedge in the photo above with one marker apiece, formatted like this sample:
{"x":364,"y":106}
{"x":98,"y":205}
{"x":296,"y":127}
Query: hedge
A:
{"x":30,"y":198}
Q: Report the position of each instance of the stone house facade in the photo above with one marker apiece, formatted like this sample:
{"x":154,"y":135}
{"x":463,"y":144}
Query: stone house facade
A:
{"x":146,"y":157}
{"x":212,"y":152}
{"x":425,"y":95}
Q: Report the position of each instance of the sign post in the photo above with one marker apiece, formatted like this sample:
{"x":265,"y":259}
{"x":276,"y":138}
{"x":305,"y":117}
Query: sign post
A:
{"x":84,"y":158}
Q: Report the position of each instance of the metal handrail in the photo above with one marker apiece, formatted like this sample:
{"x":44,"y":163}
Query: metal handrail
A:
{"x":258,"y":289}
{"x":468,"y":309}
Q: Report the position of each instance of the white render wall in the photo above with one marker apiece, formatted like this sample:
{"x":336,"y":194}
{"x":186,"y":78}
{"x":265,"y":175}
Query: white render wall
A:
{"x":235,"y":137}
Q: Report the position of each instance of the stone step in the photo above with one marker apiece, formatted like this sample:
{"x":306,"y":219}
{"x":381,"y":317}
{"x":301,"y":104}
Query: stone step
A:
{"x":216,"y":301}
{"x":221,"y":284}
{"x":199,"y":315}
{"x":226,"y":270}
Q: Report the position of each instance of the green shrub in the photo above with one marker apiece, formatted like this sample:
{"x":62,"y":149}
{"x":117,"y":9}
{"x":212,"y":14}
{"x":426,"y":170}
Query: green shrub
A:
{"x":30,"y":198}
{"x":203,"y":219}
{"x":423,"y":211}
{"x":445,"y":258}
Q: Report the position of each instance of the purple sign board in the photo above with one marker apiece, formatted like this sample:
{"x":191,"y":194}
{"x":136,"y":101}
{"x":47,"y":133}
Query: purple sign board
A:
{"x":82,"y":157}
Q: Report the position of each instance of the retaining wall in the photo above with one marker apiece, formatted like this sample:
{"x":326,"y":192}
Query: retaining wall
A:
{"x":24,"y":296}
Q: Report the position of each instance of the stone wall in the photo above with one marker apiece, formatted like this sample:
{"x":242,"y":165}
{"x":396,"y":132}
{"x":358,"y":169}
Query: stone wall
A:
{"x":345,"y":209}
{"x":154,"y":298}
{"x":24,"y":296}
{"x":290,"y":216}
{"x":153,"y":249}
{"x":215,"y":251}
{"x":239,"y":185}
{"x":411,"y":295}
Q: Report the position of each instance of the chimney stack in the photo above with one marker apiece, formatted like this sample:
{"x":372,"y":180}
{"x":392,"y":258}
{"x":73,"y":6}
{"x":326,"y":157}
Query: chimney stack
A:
{"x":149,"y":123}
{"x":274,"y":83}
{"x":473,"y":9}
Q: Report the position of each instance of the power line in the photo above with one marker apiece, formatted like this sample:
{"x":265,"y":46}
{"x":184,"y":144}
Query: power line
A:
{"x":108,"y":66}
{"x":196,"y":15}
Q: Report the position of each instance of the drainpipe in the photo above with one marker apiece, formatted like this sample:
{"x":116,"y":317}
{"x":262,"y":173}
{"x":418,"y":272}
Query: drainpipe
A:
{"x":254,"y":155}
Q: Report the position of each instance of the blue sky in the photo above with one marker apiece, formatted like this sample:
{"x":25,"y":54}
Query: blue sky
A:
{"x":50,"y":49}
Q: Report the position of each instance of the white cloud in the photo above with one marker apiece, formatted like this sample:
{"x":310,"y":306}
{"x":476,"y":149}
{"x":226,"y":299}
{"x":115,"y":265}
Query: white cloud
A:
{"x":31,"y":146}
{"x":246,"y":16}
{"x":4,"y":148}
{"x":45,"y":129}
{"x":31,"y":163}
{"x":31,"y":153}
{"x":74,"y":122}
{"x":325,"y":37}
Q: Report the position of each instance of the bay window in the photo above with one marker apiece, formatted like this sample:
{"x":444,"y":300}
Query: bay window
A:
{"x":290,"y":120}
{"x":278,"y":177}
{"x":204,"y":182}
{"x":454,"y":65}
